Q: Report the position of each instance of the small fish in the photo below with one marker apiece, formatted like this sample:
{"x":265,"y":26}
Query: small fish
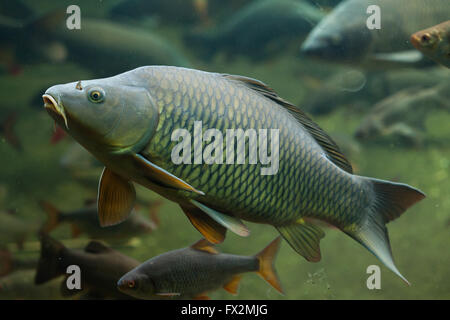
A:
{"x":259,"y":30}
{"x":85,"y":220}
{"x":312,"y":179}
{"x":100,"y":265}
{"x":14,"y":229}
{"x":194,"y":271}
{"x":13,"y":263}
{"x":402,"y":116}
{"x":343,"y":36}
{"x":434,"y":42}
{"x":20,"y":286}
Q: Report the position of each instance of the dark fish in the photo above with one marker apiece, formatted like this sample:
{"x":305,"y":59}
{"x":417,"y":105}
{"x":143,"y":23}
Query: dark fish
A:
{"x":434,"y":42}
{"x":85,"y":220}
{"x":171,"y":11}
{"x":102,"y":46}
{"x":402,"y":116}
{"x":307,"y":177}
{"x":101,"y":266}
{"x":343,"y":35}
{"x":260,"y":29}
{"x":194,"y":271}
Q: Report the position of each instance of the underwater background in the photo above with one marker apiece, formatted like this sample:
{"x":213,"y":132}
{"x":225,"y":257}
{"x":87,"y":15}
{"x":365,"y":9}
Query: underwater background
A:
{"x":31,"y":168}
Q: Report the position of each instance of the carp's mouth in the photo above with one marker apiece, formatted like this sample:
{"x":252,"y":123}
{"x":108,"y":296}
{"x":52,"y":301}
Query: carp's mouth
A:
{"x":54,"y":108}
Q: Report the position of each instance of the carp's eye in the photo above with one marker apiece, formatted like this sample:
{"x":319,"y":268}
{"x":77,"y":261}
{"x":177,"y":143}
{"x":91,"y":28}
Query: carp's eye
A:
{"x":131,"y":284}
{"x":96,"y":95}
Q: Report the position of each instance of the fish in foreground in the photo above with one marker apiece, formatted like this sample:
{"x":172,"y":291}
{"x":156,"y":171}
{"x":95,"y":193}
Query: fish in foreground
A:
{"x":260,"y":29}
{"x":403,"y":115}
{"x":85,"y":220}
{"x":194,"y":271}
{"x":343,"y":35}
{"x":100,"y":265}
{"x":434,"y":42}
{"x":127,"y":121}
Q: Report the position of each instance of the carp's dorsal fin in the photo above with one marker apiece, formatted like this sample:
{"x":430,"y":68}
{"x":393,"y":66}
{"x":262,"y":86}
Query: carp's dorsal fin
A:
{"x":116,"y":198}
{"x":158,"y":174}
{"x":204,"y":245}
{"x":233,"y":224}
{"x":210,"y":229}
{"x":323,"y":139}
{"x":96,"y":247}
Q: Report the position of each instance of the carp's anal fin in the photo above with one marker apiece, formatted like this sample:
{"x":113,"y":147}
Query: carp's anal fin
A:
{"x":116,"y":197}
{"x":331,"y":149}
{"x":155,"y":173}
{"x":233,"y":224}
{"x":304,"y":238}
{"x":210,"y":229}
{"x":204,"y":245}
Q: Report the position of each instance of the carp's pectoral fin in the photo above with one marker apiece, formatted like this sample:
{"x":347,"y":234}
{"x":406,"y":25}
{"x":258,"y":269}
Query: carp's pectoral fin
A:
{"x":155,"y":173}
{"x":304,"y":238}
{"x":229,"y":222}
{"x":210,"y":229}
{"x":233,"y":286}
{"x":202,"y":297}
{"x":204,"y":245}
{"x":116,"y":197}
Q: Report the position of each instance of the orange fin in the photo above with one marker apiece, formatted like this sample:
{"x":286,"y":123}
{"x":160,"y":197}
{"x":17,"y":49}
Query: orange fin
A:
{"x":53,"y":216}
{"x":116,"y":198}
{"x":266,"y":264}
{"x":204,"y":245}
{"x":210,"y":229}
{"x":233,"y":286}
{"x":76,"y":231}
{"x":154,"y":210}
{"x":202,"y":297}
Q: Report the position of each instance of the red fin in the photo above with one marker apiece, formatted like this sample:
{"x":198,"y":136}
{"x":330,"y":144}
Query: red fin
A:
{"x":58,"y":135}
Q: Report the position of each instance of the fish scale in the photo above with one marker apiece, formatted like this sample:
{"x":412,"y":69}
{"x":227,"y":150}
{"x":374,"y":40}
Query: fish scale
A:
{"x":259,"y":112}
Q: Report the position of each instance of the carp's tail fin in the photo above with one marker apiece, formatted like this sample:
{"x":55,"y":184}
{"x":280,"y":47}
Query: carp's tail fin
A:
{"x":266,"y":264}
{"x":53,"y":217}
{"x":48,"y":265}
{"x":390,"y":201}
